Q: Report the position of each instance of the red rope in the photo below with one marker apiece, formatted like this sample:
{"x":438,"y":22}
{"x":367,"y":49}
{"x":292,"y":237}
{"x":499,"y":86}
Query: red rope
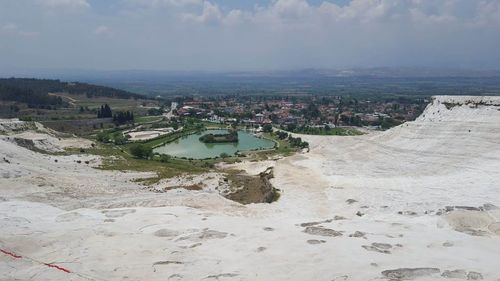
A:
{"x":47,"y":264}
{"x":58,"y":267}
{"x":10,"y":254}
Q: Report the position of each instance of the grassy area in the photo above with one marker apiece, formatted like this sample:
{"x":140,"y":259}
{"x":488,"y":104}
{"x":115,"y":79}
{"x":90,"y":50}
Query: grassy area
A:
{"x":96,"y":102}
{"x":283,"y":146}
{"x":214,"y":125}
{"x":83,"y":107}
{"x":118,"y":158}
{"x":328,"y":132}
{"x":168,"y":138}
{"x":147,"y":119}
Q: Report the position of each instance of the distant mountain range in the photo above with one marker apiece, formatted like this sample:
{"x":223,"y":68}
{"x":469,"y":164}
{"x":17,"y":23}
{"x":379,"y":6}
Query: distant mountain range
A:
{"x":117,"y":75}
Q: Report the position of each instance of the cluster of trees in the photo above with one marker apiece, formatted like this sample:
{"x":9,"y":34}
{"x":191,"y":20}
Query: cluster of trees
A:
{"x":155,"y":111}
{"x":351,"y":120}
{"x":231,"y":136}
{"x":97,"y":91}
{"x":311,"y":130}
{"x":117,"y":138}
{"x":297,"y":142}
{"x":386,"y":123}
{"x":282,"y":135}
{"x":267,"y":128}
{"x":34,"y":99}
{"x":311,"y":112}
{"x":104,"y":112}
{"x":294,"y":142}
{"x":35,"y":92}
{"x":122,"y":117}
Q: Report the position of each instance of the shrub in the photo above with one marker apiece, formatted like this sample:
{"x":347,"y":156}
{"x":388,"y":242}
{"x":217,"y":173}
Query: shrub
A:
{"x":164,"y":158}
{"x":141,"y":151}
{"x":25,"y":118}
{"x":267,"y":128}
{"x":103,"y":137}
{"x":119,"y":138}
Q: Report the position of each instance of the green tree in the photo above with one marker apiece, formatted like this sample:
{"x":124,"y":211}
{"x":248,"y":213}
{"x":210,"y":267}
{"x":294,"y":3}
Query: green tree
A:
{"x":164,"y":158}
{"x":102,"y":137}
{"x":104,"y":112}
{"x":119,"y":138}
{"x":141,"y":151}
{"x":267,"y":128}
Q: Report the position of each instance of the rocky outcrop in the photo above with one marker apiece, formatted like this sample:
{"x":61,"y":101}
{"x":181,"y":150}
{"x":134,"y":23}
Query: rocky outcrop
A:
{"x":248,"y":189}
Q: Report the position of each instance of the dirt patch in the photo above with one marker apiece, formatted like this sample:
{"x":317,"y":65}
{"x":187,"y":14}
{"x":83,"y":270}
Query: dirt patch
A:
{"x":166,"y":233}
{"x":315,"y":242}
{"x":321,"y":231}
{"x":260,"y":249}
{"x":187,"y":187}
{"x":358,"y":234}
{"x":472,"y":275}
{"x":383,"y":248}
{"x":219,"y":276}
{"x":205,"y":234}
{"x":117,"y":213}
{"x":409,"y":273}
{"x":457,"y":274}
{"x":472,"y":222}
{"x":246,"y":189}
{"x":28,"y":144}
{"x":306,"y":224}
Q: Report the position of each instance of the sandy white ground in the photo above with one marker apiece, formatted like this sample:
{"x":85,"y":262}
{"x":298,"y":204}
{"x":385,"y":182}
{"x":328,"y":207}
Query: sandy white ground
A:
{"x":40,"y":137}
{"x":354,"y":208}
{"x":150,"y":134}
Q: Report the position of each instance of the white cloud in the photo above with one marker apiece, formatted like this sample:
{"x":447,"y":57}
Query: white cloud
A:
{"x":291,"y":9}
{"x":102,"y":30}
{"x":66,"y":4}
{"x":280,"y":14}
{"x":9,"y":27}
{"x":165,"y":3}
{"x":14,"y":30}
{"x":234,"y":17}
{"x":211,"y":14}
{"x":360,"y":11}
{"x":488,"y":12}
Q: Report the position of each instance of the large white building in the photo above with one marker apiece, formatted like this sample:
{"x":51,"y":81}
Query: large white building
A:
{"x":174,"y":105}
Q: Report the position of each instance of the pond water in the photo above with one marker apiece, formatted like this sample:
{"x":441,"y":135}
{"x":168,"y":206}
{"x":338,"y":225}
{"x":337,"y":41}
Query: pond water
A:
{"x":191,"y":147}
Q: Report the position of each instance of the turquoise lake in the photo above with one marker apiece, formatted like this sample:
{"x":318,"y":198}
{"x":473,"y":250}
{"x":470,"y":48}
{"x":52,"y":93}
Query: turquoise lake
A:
{"x":191,"y":147}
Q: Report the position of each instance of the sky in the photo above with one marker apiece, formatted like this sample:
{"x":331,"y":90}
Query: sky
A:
{"x":236,"y":35}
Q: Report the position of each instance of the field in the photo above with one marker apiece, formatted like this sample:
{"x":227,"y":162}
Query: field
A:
{"x":339,"y":131}
{"x":83,"y":107}
{"x":120,"y":159}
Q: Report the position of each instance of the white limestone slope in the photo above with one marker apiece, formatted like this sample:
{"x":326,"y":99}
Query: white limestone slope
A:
{"x":455,"y":149}
{"x":373,"y":207}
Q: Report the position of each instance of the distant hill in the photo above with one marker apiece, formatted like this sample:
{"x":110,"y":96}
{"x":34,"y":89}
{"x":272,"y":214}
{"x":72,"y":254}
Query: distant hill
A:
{"x":36,"y":91}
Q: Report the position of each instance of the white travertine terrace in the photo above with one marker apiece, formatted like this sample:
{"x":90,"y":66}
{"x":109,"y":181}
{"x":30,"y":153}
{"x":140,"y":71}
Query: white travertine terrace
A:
{"x":416,"y":202}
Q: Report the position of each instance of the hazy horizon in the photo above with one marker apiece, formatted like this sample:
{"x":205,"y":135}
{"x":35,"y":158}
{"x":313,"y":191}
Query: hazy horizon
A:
{"x":265,"y":35}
